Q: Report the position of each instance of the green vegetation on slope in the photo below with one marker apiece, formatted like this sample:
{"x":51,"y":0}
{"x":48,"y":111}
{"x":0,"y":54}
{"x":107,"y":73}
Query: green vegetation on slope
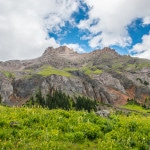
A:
{"x":88,"y":70}
{"x":70,"y":69}
{"x":91,"y":70}
{"x":8,"y":74}
{"x":37,"y":128}
{"x":47,"y":71}
{"x":137,"y":65}
{"x":135,"y":106}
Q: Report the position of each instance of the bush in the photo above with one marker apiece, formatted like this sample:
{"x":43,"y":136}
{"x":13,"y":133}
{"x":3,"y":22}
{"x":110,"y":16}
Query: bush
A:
{"x":90,"y":131}
{"x":79,"y":137}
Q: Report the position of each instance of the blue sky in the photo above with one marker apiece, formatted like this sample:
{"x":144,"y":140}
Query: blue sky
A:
{"x":28,"y":27}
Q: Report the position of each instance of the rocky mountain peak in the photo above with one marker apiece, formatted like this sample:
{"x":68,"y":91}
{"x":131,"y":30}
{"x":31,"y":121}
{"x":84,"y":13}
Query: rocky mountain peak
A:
{"x":48,"y":51}
{"x":59,"y":50}
{"x":64,"y":49}
{"x":107,"y":50}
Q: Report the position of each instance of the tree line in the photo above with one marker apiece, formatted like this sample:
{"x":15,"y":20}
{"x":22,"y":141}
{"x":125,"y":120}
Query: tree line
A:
{"x":58,"y":99}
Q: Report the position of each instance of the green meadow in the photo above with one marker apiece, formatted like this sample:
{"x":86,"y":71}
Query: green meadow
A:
{"x":43,"y":129}
{"x":47,"y":71}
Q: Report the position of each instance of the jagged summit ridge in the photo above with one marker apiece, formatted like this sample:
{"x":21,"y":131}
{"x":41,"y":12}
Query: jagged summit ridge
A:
{"x":59,"y":50}
{"x":60,"y":57}
{"x":109,"y":50}
{"x":67,"y":50}
{"x":66,"y":57}
{"x":63,"y":52}
{"x":105,"y":51}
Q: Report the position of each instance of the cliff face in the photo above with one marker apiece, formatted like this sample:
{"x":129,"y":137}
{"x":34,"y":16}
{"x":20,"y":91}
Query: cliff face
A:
{"x":102,"y":74}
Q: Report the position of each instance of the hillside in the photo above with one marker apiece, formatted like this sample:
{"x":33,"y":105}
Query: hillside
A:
{"x":103,"y":75}
{"x":38,"y":128}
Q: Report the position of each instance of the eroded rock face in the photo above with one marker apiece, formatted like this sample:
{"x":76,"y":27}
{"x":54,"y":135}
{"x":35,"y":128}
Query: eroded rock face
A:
{"x":100,"y":88}
{"x":73,"y":86}
{"x":110,"y":86}
{"x":16,"y":90}
{"x":6,"y":89}
{"x":108,"y":80}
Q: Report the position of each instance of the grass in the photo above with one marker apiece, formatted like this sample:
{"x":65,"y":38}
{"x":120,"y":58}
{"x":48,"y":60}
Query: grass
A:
{"x":137,"y":66}
{"x":90,"y":71}
{"x":47,"y":71}
{"x":136,"y":108}
{"x":116,"y":66}
{"x":131,"y":67}
{"x":144,"y":65}
{"x":70,"y":69}
{"x":86,"y":70}
{"x":8,"y":74}
{"x":38,"y":128}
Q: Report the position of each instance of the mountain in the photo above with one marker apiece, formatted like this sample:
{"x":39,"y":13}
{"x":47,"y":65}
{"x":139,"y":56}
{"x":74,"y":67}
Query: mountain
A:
{"x":103,"y":75}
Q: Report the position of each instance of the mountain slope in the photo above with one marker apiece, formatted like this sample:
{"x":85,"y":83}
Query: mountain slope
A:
{"x":102,"y":74}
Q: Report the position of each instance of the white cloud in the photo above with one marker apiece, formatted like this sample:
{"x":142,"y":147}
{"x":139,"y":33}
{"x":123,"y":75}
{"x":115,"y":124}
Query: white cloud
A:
{"x":24,"y":25}
{"x":142,"y":50}
{"x":146,"y":20}
{"x":113,"y":18}
{"x":75,"y":47}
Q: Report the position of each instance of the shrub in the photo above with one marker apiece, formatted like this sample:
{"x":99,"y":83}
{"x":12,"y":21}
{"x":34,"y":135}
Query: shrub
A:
{"x":79,"y":137}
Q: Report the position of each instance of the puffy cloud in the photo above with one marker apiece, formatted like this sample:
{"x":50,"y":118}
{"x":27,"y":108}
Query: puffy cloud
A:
{"x":146,"y":20}
{"x":24,"y":25}
{"x":109,"y":20}
{"x":142,"y":50}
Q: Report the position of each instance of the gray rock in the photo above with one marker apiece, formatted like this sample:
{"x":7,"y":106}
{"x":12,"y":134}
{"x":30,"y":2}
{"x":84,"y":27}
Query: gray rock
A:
{"x":103,"y":113}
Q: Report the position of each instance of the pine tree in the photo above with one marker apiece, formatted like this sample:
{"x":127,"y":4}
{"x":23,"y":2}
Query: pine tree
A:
{"x":39,"y":99}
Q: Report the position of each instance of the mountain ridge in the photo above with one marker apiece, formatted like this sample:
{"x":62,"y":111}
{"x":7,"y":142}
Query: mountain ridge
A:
{"x":103,"y":75}
{"x":63,"y":51}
